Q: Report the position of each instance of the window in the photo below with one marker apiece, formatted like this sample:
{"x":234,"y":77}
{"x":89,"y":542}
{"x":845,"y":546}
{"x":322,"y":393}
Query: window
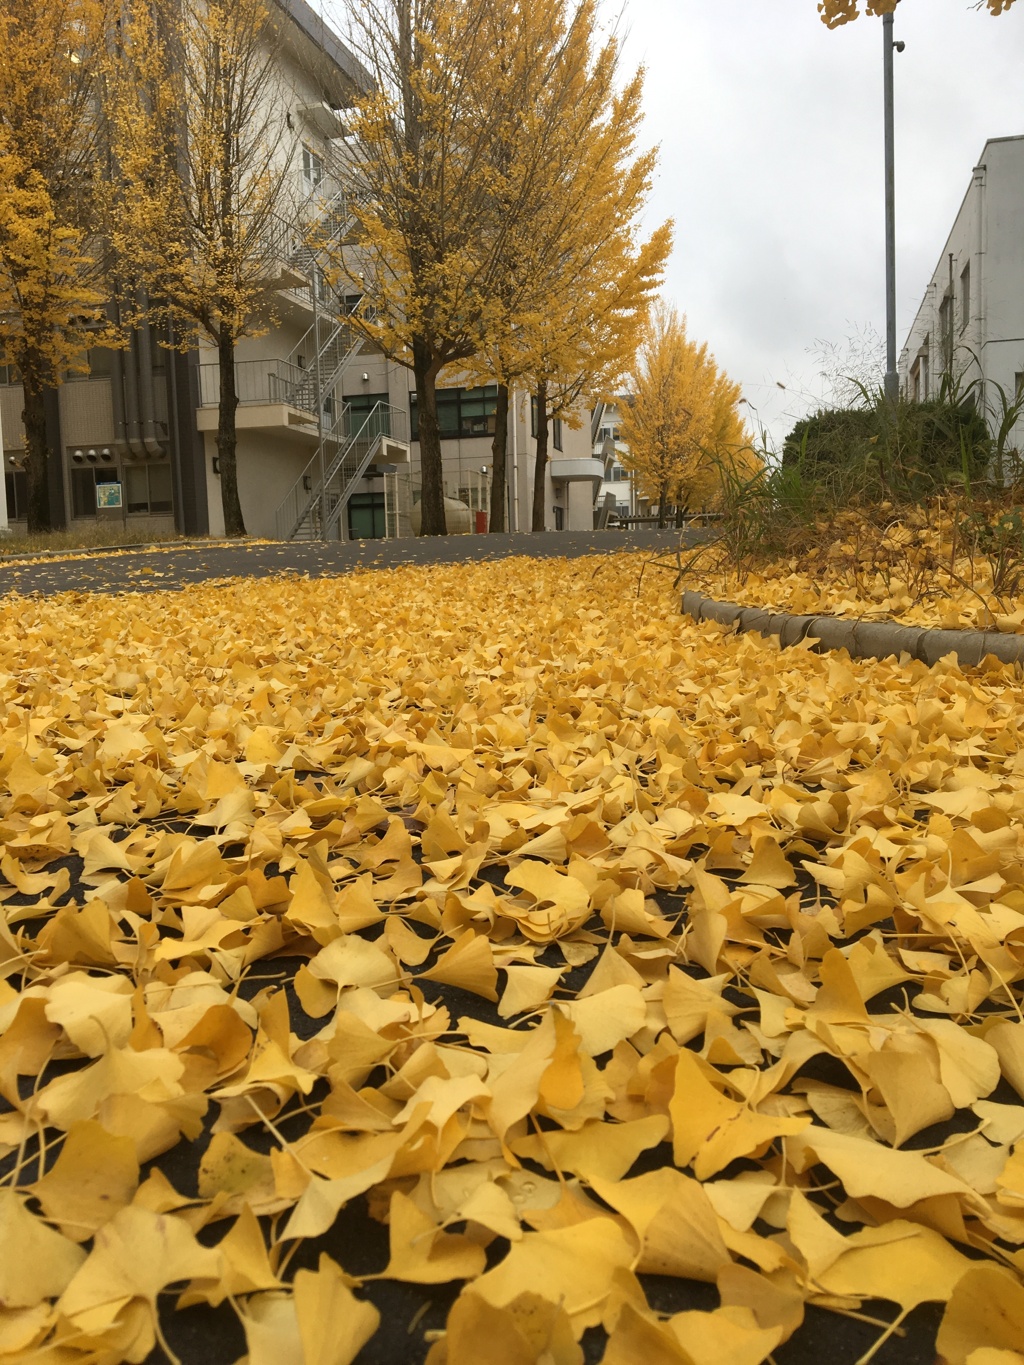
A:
{"x":915,"y":381}
{"x":366,"y":516}
{"x":312,"y":168}
{"x":148,"y":488}
{"x":359,"y":406}
{"x":16,"y":481}
{"x":461,"y":412}
{"x":618,"y":473}
{"x":965,"y":296}
{"x":100,"y":363}
{"x":554,"y":425}
{"x":83,"y":490}
{"x":9,"y":374}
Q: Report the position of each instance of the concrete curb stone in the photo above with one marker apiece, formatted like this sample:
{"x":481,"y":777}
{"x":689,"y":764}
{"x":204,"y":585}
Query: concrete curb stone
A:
{"x":862,"y":639}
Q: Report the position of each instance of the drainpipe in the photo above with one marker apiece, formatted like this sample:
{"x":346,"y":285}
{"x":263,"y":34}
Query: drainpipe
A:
{"x":153,"y":445}
{"x":117,"y":397}
{"x":5,"y":527}
{"x":174,"y":431}
{"x":514,"y":410}
{"x":978,"y":283}
{"x":133,"y":428}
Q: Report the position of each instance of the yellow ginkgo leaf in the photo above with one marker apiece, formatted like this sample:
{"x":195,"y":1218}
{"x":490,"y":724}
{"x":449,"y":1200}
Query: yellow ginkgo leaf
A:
{"x":468,"y":964}
{"x":421,"y":1253}
{"x":572,"y":1266}
{"x":36,"y":1263}
{"x":709,"y":1130}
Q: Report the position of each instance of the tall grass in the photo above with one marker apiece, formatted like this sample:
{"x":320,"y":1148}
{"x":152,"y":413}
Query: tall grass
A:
{"x":87,"y":538}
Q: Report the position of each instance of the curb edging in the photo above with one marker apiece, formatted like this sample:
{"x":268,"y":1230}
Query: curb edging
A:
{"x":862,"y":639}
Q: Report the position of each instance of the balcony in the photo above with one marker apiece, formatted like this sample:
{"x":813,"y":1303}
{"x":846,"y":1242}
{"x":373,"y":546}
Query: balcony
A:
{"x":271,"y":394}
{"x":578,"y":470}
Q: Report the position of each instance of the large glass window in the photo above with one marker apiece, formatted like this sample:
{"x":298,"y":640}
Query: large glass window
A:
{"x":148,"y":488}
{"x":461,"y":412}
{"x":16,"y":481}
{"x":359,"y":406}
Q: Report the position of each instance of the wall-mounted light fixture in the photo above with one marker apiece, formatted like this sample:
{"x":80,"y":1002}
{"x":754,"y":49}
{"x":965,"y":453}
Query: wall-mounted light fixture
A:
{"x":91,"y":456}
{"x":106,"y":455}
{"x":366,"y":378}
{"x":78,"y":456}
{"x":216,"y":464}
{"x":307,"y":484}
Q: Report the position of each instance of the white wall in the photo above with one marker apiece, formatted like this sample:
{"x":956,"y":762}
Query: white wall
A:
{"x":987,"y":238}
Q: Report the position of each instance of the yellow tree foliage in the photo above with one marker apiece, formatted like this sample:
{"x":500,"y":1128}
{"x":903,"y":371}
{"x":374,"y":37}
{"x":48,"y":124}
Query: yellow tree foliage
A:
{"x":591,"y":274}
{"x":682,"y":423}
{"x":573,"y":275}
{"x":836,"y":12}
{"x":201,"y":127}
{"x":428,"y":178}
{"x":51,"y":263}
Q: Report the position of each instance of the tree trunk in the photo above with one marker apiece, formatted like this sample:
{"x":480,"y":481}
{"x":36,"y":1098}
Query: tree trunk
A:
{"x":431,"y":468}
{"x":499,"y":462}
{"x":541,"y":464}
{"x":37,"y":452}
{"x":227,"y":436}
{"x":662,"y":505}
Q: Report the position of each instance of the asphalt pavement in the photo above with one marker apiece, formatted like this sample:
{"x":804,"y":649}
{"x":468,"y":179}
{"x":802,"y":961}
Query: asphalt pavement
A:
{"x":162,"y":567}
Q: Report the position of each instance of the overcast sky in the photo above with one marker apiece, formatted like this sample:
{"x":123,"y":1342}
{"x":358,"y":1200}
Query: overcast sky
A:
{"x":770,"y":128}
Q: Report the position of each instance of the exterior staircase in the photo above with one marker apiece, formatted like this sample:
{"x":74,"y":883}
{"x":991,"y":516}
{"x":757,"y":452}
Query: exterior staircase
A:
{"x":313,"y":509}
{"x":320,"y":359}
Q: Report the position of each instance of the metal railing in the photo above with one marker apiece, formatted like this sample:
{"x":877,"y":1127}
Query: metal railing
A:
{"x":259,"y":381}
{"x":312,"y":511}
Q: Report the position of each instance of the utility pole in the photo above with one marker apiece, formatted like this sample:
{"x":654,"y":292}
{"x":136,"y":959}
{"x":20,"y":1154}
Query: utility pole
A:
{"x":892,"y":381}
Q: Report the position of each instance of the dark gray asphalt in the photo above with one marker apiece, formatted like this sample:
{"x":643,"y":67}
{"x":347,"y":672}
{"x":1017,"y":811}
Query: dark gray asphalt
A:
{"x":196,"y":562}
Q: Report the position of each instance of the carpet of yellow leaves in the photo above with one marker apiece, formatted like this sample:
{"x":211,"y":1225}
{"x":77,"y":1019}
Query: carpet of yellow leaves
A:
{"x":927,"y":566}
{"x":629,"y":949}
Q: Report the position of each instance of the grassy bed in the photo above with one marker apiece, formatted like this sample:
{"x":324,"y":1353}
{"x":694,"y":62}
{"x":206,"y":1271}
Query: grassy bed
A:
{"x":80,"y":538}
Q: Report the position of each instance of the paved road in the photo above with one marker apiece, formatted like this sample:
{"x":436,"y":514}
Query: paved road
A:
{"x":162,"y":569}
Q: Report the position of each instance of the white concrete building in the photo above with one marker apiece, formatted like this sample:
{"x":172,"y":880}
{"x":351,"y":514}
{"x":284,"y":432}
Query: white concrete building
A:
{"x":317,"y":407}
{"x":970,"y":324}
{"x":617,"y":493}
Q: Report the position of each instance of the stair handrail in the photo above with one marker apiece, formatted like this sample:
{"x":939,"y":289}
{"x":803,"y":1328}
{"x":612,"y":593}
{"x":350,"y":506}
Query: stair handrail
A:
{"x":374,"y":440}
{"x":312,"y":470}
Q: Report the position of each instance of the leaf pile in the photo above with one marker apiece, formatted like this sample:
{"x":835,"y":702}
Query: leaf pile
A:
{"x":951,"y":563}
{"x":492,"y":938}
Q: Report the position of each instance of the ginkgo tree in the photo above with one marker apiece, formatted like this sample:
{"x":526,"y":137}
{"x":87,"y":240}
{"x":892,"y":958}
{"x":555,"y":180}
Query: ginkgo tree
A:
{"x":52,"y":258}
{"x":682,"y":420}
{"x":575,"y":274}
{"x":198,"y":126}
{"x":426,"y":177}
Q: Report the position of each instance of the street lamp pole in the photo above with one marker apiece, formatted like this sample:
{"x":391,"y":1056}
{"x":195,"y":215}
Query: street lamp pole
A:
{"x":892,"y":382}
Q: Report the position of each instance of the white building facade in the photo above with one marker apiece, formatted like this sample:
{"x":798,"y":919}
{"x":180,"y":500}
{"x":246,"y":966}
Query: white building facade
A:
{"x":970,"y":324}
{"x":326,"y":426}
